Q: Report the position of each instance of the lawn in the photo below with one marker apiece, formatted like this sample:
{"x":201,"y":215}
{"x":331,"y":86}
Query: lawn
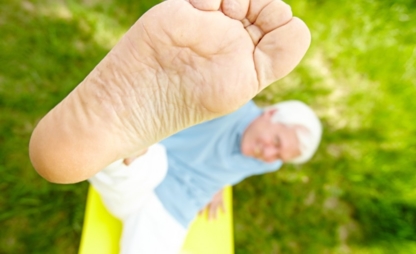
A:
{"x":358,"y":193}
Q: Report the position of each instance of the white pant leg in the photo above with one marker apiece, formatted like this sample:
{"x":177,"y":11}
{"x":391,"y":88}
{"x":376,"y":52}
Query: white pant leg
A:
{"x":127,"y":192}
{"x":123,"y":188}
{"x":152,"y":230}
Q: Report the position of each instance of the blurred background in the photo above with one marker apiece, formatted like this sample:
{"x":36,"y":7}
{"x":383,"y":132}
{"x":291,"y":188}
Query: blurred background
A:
{"x":357,"y":195}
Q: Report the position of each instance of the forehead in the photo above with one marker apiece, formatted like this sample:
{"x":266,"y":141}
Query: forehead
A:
{"x":265,"y":126}
{"x":286,"y":133}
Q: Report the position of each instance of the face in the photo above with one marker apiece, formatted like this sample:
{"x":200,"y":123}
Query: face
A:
{"x":269,"y":141}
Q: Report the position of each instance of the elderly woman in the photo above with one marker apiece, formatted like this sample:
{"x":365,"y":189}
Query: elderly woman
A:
{"x":182,"y":63}
{"x":157,"y":195}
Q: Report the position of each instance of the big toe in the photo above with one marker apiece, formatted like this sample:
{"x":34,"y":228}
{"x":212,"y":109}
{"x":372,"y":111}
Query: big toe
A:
{"x":280,"y":51}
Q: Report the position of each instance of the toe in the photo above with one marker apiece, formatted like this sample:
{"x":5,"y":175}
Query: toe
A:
{"x":255,"y":33}
{"x":235,"y":9}
{"x":255,"y":7}
{"x":265,"y":16}
{"x":280,"y":50}
{"x":206,"y":5}
{"x":274,"y":15}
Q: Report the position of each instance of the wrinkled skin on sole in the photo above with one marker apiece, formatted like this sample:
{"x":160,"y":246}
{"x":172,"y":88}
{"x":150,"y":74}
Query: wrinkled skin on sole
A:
{"x":181,"y":63}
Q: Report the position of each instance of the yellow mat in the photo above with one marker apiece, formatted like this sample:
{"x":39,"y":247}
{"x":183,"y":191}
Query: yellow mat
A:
{"x":101,"y":231}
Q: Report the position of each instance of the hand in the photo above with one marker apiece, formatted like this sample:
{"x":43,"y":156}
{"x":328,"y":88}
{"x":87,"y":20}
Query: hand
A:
{"x":128,"y":161}
{"x":180,"y":64}
{"x":217,"y":203}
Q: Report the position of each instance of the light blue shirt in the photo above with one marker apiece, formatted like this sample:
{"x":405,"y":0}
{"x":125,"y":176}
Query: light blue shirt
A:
{"x":203,"y":159}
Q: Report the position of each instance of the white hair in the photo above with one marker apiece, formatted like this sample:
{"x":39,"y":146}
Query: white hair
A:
{"x":297,"y":113}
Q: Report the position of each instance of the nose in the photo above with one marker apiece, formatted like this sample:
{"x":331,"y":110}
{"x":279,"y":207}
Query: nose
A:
{"x":271,"y":153}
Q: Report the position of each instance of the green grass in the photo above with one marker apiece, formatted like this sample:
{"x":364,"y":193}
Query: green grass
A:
{"x":356,"y":196}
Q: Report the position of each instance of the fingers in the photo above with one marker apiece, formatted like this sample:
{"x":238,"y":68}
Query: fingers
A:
{"x":213,"y":209}
{"x":212,"y":212}
{"x":279,"y":51}
{"x":128,"y":161}
{"x":222,"y":207}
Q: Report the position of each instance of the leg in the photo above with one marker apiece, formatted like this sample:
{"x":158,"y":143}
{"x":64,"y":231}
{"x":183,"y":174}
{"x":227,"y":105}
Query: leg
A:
{"x":151,"y":230}
{"x":181,"y":63}
{"x":123,"y":189}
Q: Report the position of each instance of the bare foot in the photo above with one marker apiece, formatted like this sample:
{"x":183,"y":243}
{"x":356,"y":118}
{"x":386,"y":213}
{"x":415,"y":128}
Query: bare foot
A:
{"x":180,"y":64}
